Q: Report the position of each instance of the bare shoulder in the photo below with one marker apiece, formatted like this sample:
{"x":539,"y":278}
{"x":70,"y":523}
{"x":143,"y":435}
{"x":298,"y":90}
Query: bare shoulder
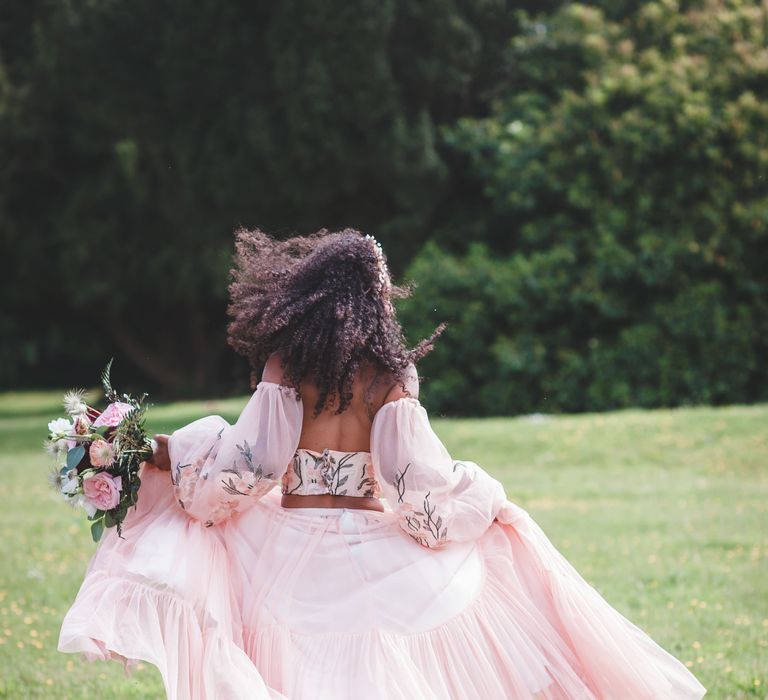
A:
{"x":273,"y":369}
{"x":408,"y":388}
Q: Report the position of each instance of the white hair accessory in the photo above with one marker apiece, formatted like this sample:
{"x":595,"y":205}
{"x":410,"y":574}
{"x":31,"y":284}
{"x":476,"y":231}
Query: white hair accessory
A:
{"x":383,"y":270}
{"x":385,"y":281}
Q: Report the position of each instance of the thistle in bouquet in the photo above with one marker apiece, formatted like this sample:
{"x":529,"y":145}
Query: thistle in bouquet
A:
{"x":99,"y":454}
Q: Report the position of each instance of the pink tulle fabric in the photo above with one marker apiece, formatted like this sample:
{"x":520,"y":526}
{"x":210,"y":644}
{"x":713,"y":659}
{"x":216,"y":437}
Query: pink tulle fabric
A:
{"x":452,"y":592}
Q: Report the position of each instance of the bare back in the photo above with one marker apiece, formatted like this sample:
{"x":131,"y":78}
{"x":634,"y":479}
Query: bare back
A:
{"x":349,"y":431}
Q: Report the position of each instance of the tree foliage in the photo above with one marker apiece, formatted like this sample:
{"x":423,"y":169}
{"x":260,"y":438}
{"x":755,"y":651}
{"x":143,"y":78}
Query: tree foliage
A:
{"x":624,"y":240}
{"x":586,"y":185}
{"x":139,"y":135}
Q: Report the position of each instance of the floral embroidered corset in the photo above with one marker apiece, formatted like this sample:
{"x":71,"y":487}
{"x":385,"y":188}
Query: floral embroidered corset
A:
{"x":220,"y":469}
{"x":335,"y":472}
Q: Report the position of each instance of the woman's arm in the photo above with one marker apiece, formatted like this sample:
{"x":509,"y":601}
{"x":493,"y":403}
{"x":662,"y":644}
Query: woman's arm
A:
{"x":160,"y":458}
{"x":438,"y":499}
{"x":219,"y":469}
{"x":273,"y":372}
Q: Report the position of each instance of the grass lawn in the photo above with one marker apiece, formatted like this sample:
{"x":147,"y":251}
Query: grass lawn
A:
{"x":665,"y":512}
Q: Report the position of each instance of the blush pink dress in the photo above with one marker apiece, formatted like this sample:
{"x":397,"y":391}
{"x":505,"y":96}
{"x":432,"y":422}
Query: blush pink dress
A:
{"x":453,"y":592}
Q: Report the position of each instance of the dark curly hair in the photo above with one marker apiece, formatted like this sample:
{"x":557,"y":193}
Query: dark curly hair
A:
{"x":322,"y":302}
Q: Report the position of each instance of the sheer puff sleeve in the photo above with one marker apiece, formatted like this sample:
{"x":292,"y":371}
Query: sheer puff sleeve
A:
{"x":437,"y":499}
{"x":219,"y":469}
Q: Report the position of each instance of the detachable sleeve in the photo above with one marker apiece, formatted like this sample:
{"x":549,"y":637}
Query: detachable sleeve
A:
{"x":437,"y":499}
{"x":219,"y":469}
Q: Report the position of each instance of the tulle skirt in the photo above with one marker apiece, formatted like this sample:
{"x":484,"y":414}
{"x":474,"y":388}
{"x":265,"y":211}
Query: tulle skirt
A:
{"x":340,"y":603}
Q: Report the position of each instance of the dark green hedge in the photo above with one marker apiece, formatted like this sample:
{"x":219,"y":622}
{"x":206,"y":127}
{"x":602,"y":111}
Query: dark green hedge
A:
{"x":624,"y":225}
{"x":526,"y":333}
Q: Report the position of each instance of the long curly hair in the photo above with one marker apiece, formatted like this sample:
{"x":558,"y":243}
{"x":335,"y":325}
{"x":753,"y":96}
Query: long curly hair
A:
{"x":323,"y":302}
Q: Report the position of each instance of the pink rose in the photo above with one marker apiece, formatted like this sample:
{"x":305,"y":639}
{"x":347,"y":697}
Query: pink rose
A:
{"x":102,"y":490}
{"x":113,"y":414}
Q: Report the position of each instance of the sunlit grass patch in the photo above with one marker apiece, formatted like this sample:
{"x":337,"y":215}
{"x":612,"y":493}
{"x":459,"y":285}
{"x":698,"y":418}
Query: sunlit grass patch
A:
{"x":663,"y":511}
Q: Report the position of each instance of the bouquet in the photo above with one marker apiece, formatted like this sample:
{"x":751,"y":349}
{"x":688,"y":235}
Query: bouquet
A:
{"x":98,"y":454}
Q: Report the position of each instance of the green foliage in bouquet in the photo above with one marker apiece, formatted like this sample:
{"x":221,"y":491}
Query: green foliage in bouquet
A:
{"x":132,"y":447}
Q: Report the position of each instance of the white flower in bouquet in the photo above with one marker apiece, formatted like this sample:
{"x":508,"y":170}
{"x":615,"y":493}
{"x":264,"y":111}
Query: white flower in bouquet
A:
{"x":73,"y":402}
{"x":54,"y":479}
{"x":56,"y":449}
{"x":70,"y":483}
{"x":66,"y":483}
{"x":60,"y":426}
{"x":89,"y":508}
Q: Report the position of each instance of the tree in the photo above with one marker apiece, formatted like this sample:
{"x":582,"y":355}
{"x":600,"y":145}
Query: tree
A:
{"x":145,"y":132}
{"x":624,"y":184}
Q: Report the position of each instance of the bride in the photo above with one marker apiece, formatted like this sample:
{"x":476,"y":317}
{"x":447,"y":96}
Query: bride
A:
{"x":382,"y":567}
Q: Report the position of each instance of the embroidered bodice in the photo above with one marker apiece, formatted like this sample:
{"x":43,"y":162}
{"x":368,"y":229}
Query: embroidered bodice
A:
{"x":220,"y":469}
{"x":334,"y":472}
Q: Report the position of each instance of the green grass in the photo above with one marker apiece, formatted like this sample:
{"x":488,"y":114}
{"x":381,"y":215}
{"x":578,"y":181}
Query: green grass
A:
{"x":663,"y":511}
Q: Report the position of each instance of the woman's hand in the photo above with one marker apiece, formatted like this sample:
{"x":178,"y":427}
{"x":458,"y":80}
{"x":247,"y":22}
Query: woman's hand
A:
{"x":160,"y":457}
